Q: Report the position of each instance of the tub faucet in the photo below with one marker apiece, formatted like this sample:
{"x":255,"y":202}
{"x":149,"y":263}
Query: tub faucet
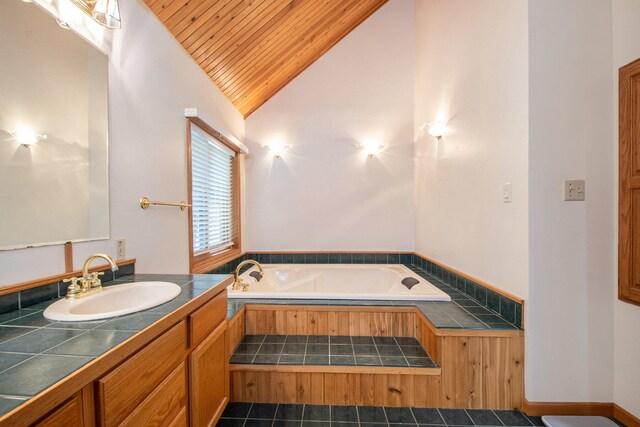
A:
{"x":240,"y":284}
{"x":89,"y":282}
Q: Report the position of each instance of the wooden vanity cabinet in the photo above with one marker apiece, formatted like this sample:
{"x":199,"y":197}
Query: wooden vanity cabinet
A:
{"x":209,"y":378}
{"x":180,"y":378}
{"x":150,"y":385}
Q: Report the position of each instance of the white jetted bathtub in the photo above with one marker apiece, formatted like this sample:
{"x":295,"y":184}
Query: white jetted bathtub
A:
{"x":338,"y":281}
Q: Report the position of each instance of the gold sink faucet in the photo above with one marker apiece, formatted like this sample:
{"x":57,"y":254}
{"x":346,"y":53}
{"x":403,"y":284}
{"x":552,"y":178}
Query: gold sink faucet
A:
{"x":89,"y":282}
{"x":240,"y":284}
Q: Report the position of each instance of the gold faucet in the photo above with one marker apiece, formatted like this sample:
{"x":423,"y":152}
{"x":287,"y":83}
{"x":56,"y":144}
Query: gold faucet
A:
{"x":89,"y":282}
{"x":240,"y":284}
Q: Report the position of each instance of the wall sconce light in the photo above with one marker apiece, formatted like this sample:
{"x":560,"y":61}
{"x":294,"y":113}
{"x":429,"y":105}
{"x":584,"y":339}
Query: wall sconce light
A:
{"x":277,"y":149}
{"x":104,"y":12}
{"x":372,"y":148}
{"x":435,"y":129}
{"x":27,"y":137}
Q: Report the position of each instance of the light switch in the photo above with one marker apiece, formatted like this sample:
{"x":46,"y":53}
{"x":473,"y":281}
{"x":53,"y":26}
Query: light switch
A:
{"x":574,"y":190}
{"x":506,"y":193}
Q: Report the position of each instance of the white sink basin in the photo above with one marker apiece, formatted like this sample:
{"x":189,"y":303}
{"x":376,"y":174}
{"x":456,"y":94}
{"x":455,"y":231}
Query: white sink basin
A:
{"x":113,"y":301}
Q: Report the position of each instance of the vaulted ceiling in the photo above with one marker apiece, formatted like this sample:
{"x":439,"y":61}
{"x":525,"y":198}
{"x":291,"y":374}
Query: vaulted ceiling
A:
{"x":253,"y":48}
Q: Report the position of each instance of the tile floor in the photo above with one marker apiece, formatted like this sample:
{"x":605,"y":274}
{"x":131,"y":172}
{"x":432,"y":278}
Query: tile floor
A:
{"x":332,"y":350}
{"x":286,"y":415}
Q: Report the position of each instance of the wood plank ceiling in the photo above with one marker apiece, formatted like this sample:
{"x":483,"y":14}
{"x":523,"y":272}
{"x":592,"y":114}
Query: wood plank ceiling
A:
{"x":252,"y":48}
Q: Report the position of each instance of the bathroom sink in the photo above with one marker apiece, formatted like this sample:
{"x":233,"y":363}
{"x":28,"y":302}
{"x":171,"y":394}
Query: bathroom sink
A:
{"x":113,"y":301}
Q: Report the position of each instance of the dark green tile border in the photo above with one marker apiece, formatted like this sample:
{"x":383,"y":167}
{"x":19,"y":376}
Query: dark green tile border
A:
{"x":509,"y":309}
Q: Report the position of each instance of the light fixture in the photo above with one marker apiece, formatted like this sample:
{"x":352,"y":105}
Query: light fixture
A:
{"x":371,"y":147}
{"x":277,"y":149}
{"x":105,"y":12}
{"x":27,"y":137}
{"x":62,"y":24}
{"x":435,"y":129}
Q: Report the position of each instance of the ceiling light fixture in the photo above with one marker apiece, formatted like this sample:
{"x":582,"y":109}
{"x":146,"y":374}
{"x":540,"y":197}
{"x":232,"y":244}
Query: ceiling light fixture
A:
{"x":62,"y":24}
{"x":105,"y":12}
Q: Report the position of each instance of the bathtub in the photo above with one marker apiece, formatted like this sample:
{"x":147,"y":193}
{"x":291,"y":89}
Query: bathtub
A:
{"x":337,"y":281}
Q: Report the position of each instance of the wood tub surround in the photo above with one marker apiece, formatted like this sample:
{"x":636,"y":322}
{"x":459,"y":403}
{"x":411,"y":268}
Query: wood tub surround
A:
{"x":477,"y":369}
{"x":174,"y":371}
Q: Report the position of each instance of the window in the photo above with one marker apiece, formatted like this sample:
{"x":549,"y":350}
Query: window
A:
{"x":214,"y":218}
{"x":629,"y":183}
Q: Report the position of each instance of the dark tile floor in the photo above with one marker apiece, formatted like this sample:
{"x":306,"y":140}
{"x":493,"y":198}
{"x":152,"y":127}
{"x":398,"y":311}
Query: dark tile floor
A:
{"x":285,"y":415}
{"x":332,"y":350}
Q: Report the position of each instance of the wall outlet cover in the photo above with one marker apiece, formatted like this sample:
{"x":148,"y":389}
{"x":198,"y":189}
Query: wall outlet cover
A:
{"x":120,"y":249}
{"x":574,"y":190}
{"x":506,"y":193}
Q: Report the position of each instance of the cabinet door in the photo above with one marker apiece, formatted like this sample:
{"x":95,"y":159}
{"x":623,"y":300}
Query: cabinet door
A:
{"x":67,"y":415}
{"x":209,"y":378}
{"x":167,"y":402}
{"x":122,"y":390}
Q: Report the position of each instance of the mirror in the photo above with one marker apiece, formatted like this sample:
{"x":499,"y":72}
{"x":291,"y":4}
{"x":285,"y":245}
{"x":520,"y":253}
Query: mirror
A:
{"x":54,"y":184}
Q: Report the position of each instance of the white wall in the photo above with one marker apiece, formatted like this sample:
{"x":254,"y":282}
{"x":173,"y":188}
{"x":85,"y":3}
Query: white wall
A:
{"x":471,"y":70}
{"x":325,"y":194}
{"x":151,"y":80}
{"x":569,"y":315}
{"x":626,"y":48}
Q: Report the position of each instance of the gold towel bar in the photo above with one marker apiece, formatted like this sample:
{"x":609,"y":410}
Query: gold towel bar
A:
{"x":145,"y":203}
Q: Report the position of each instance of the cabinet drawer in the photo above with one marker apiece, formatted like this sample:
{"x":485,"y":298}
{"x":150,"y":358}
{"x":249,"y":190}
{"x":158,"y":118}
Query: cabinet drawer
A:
{"x":67,"y":415}
{"x":127,"y":386}
{"x":207,"y":318}
{"x":180,"y":420}
{"x":164,"y":403}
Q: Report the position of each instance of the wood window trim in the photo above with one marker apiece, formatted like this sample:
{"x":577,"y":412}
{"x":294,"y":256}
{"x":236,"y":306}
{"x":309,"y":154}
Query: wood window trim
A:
{"x":204,"y":263}
{"x":629,"y":183}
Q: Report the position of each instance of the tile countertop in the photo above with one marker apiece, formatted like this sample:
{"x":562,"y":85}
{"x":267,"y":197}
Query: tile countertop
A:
{"x":35,"y":353}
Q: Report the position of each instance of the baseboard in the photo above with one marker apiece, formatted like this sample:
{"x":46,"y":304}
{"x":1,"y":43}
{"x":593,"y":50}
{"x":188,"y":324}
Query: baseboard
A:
{"x":625,"y":417}
{"x":537,"y":409}
{"x":604,"y":409}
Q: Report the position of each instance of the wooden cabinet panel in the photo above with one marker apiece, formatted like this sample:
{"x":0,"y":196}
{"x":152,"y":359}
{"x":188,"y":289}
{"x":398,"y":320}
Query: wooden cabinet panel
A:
{"x":126,"y":387}
{"x":180,"y":420}
{"x":629,"y":184}
{"x":209,"y":378}
{"x":67,"y":415}
{"x":207,"y":318}
{"x":165,"y":403}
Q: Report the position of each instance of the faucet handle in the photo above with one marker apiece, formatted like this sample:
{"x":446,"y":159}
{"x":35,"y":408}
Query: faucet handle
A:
{"x":94,"y":280}
{"x":73,"y":289}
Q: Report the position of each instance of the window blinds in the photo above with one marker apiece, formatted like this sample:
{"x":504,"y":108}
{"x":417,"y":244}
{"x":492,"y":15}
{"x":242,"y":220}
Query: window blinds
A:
{"x":212,"y":194}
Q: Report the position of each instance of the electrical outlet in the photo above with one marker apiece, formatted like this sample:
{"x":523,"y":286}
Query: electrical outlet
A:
{"x":120,"y":249}
{"x":506,"y":193}
{"x":574,"y":190}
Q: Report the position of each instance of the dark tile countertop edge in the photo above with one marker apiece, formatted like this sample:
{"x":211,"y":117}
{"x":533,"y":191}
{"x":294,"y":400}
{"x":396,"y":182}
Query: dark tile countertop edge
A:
{"x":461,"y":313}
{"x":36,"y":353}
